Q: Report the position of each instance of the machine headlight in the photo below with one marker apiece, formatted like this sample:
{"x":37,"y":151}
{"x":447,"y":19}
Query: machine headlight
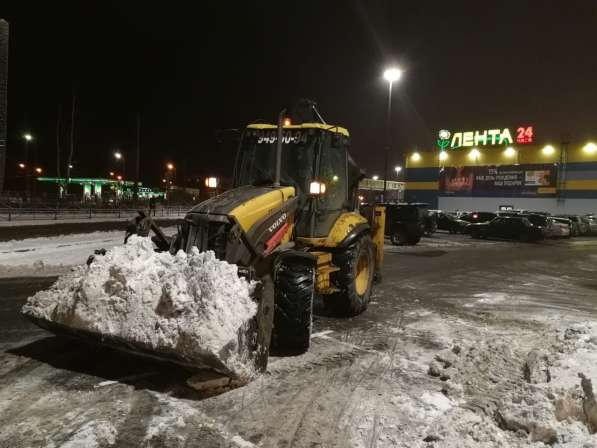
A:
{"x":317,"y":188}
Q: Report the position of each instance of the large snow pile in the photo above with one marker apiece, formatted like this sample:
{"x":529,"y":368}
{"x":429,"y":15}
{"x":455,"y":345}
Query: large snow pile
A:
{"x":190,"y":304}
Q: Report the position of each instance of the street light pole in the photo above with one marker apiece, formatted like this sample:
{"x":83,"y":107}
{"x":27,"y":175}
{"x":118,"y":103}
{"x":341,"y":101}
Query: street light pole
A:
{"x":391,"y":75}
{"x":27,"y":137}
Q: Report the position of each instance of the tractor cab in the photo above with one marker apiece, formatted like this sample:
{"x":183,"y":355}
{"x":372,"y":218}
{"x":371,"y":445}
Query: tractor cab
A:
{"x":314,"y":160}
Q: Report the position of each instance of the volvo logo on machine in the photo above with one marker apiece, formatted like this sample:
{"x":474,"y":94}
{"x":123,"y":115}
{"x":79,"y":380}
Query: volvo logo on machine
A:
{"x":278,"y":222}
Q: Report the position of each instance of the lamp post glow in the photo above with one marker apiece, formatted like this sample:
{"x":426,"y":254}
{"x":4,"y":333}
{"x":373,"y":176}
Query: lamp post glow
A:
{"x":171,"y":173}
{"x":391,"y":75}
{"x":27,"y":138}
{"x":118,"y":155}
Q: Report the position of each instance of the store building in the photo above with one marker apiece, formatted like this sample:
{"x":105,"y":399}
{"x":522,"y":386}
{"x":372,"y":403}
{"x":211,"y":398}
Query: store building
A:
{"x":504,"y":168}
{"x":89,"y":188}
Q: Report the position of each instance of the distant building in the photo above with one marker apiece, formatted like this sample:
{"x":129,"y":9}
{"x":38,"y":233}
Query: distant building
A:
{"x":89,"y":188}
{"x":489,"y":170}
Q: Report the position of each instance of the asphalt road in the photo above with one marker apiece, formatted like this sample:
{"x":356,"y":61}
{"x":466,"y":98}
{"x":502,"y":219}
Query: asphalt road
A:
{"x":56,"y":392}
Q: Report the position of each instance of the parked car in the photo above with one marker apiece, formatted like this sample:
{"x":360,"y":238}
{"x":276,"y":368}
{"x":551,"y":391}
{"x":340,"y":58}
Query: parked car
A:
{"x":578,"y":226}
{"x":474,"y":217}
{"x":478,"y":217}
{"x":592,"y":221}
{"x":405,"y":223}
{"x":508,"y":227}
{"x":450,"y":223}
{"x":560,"y":227}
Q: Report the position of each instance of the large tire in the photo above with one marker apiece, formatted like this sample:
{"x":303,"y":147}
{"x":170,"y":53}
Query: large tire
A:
{"x":294,"y":289}
{"x":354,"y":279}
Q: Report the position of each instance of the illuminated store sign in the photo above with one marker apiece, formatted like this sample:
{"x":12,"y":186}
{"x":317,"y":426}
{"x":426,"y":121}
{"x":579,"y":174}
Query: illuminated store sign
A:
{"x":488,"y":137}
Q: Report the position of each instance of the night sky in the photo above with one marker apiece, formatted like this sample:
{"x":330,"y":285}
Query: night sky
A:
{"x":193,"y":68}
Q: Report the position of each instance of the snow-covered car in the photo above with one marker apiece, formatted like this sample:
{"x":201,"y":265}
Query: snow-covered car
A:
{"x":577,"y":225}
{"x":557,"y":228}
{"x":591,"y":221}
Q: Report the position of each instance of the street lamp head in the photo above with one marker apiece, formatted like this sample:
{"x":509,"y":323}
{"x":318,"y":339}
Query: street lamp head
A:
{"x":21,"y":165}
{"x":28,"y":137}
{"x":170,"y":166}
{"x":118,"y":155}
{"x":112,"y":173}
{"x":392,"y":74}
{"x":38,"y":170}
{"x":397,"y":169}
{"x":119,"y":177}
{"x":375,"y":177}
{"x":70,"y":166}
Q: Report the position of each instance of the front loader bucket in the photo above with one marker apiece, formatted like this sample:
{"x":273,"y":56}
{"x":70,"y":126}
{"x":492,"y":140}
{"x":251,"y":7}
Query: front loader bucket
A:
{"x":200,"y":359}
{"x":190,"y":308}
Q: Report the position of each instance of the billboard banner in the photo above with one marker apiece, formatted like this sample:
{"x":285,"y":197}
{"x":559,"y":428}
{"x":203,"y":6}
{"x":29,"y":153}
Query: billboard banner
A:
{"x":536,"y":180}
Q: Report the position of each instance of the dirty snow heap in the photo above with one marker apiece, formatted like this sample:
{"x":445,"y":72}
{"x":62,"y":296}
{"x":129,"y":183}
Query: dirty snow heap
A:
{"x":190,"y":305}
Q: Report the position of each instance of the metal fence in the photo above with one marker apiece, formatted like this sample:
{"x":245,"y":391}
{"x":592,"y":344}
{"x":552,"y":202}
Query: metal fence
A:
{"x":14,"y":214}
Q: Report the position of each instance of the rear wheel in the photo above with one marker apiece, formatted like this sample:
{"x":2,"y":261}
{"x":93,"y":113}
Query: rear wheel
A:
{"x":354,"y":279}
{"x":294,"y":289}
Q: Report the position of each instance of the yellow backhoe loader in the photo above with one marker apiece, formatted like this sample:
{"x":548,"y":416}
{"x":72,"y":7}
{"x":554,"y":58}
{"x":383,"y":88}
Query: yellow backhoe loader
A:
{"x":291,"y":222}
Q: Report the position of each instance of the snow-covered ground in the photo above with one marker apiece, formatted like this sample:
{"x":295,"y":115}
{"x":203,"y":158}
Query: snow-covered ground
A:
{"x":463,"y":345}
{"x":56,"y":254}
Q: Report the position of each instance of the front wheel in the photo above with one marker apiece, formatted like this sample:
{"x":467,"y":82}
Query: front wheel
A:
{"x":293,"y":317}
{"x":354,"y":279}
{"x":399,"y":238}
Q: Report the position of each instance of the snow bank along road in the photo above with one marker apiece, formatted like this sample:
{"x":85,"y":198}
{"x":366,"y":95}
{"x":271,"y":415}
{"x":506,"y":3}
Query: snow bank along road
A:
{"x":465,"y":344}
{"x":53,"y":255}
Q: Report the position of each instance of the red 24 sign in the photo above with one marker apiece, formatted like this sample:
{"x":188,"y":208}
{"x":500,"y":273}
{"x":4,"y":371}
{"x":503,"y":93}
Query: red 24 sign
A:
{"x":524,"y":134}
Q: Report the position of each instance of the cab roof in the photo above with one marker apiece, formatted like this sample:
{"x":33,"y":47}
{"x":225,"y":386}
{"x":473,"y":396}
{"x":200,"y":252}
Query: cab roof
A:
{"x":325,"y":127}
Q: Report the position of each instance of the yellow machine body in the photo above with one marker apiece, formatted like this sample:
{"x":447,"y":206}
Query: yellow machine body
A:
{"x":256,"y":208}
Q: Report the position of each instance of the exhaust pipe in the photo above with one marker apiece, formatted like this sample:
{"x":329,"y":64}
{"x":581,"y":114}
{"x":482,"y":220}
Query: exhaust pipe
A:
{"x":279,"y":148}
